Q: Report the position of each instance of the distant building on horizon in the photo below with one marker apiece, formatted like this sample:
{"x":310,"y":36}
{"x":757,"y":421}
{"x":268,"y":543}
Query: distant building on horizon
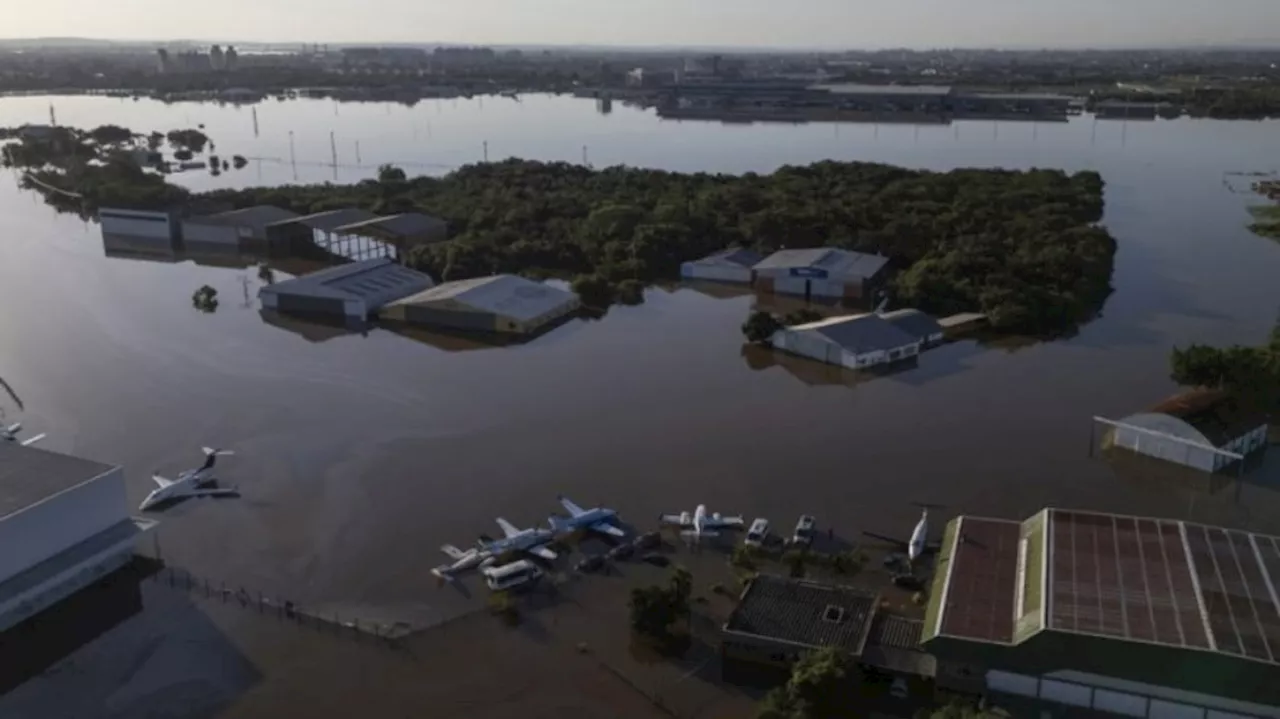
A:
{"x":230,"y":58}
{"x":217,"y":61}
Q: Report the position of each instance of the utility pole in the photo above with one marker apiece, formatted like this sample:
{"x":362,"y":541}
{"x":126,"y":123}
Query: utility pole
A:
{"x":486,"y":151}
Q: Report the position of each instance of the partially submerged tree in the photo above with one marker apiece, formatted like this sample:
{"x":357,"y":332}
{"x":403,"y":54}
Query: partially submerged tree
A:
{"x":823,"y":685}
{"x":760,"y":326}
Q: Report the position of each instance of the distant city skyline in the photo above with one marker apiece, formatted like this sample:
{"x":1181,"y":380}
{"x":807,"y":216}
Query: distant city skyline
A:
{"x":824,"y":24}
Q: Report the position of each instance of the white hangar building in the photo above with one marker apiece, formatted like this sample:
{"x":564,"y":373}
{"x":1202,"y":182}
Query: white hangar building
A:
{"x":731,"y":265}
{"x":854,"y":341}
{"x":64,"y":524}
{"x":500,"y":303}
{"x":351,"y":291}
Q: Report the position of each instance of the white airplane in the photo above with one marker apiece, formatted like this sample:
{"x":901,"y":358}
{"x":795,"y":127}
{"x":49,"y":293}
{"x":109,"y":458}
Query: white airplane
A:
{"x":597,"y":519}
{"x":529,"y":540}
{"x":10,"y":434}
{"x":919,"y":543}
{"x":462,"y":561}
{"x":191,"y":483}
{"x":700,"y":524}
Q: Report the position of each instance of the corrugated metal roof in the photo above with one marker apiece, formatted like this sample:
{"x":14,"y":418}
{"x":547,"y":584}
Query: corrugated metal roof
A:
{"x":914,"y":322}
{"x":506,"y":295}
{"x":737,"y":256}
{"x":30,"y":474}
{"x":837,"y":262}
{"x":859,"y":333}
{"x":257,"y":216}
{"x":408,"y":224}
{"x":369,"y":279}
{"x":330,"y":220}
{"x":808,"y":613}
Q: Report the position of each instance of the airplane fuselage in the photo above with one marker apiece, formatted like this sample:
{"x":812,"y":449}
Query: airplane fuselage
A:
{"x":918,"y":537}
{"x":517,"y":542}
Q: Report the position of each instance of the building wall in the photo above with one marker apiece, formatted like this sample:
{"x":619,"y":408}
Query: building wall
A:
{"x":716,"y":272}
{"x":58,"y":587}
{"x":1186,"y":670}
{"x":435,"y":316}
{"x":812,"y":344}
{"x":1188,"y":455}
{"x":134,"y":223}
{"x":44,"y":529}
{"x":835,"y":288}
{"x":304,"y":304}
{"x":203,"y":233}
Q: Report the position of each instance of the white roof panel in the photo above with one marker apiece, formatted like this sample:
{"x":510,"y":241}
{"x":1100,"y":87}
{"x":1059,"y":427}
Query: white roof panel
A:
{"x":507,"y":295}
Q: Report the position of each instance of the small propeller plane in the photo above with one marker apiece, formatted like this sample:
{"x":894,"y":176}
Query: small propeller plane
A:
{"x":530,"y":541}
{"x":191,"y":483}
{"x":597,"y":519}
{"x":10,"y":434}
{"x":701,"y":524}
{"x":462,"y":561}
{"x":919,"y":544}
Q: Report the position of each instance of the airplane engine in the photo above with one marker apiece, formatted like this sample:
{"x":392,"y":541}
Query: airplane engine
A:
{"x":715,"y":516}
{"x":685,"y":518}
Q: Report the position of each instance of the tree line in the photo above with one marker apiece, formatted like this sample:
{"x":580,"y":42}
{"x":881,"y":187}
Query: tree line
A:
{"x":1021,"y":246}
{"x":1247,"y":373}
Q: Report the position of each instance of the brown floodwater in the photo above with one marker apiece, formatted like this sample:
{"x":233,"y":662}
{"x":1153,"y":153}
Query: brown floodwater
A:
{"x":359,"y":455}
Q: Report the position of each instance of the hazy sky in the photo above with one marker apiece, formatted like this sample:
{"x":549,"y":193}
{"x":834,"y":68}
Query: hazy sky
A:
{"x":790,"y":23}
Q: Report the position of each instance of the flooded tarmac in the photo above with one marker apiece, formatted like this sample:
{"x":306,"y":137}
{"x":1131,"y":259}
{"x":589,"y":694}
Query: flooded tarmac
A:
{"x":358,"y":454}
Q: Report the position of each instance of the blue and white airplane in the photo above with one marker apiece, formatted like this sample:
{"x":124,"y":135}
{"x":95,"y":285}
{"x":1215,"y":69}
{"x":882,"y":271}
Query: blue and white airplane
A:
{"x":596,"y":519}
{"x":529,"y":541}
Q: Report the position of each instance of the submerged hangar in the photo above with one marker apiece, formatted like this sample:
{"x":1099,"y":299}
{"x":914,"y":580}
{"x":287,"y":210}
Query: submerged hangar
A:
{"x":64,"y":524}
{"x":1073,"y":612}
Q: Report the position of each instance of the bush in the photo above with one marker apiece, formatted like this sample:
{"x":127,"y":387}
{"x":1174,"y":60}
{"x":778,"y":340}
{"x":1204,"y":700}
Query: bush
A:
{"x":759,"y":327}
{"x":594,"y":290}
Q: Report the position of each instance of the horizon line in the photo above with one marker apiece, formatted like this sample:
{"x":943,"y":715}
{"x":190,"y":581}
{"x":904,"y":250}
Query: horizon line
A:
{"x":1262,"y":45}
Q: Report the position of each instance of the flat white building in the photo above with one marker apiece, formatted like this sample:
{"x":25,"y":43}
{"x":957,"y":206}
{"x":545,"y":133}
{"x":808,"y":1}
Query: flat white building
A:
{"x":854,"y":341}
{"x":64,"y":524}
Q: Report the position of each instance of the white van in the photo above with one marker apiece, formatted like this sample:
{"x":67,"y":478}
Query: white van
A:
{"x":510,"y":576}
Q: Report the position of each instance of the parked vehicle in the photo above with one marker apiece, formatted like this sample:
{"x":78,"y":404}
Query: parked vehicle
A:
{"x":804,"y":531}
{"x":758,"y":532}
{"x":510,"y":576}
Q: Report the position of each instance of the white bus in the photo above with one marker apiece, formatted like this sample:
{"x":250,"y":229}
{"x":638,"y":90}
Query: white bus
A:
{"x":510,"y":576}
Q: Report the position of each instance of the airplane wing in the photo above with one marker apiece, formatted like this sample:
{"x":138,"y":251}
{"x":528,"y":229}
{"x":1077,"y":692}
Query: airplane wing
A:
{"x":722,"y":522}
{"x":542,"y":552}
{"x":452,"y":551}
{"x":32,"y":440}
{"x":606,"y":528}
{"x":891,"y":540}
{"x":162,"y":481}
{"x":570,"y":507}
{"x":508,"y":528}
{"x":677,"y":519}
{"x":219,"y":492}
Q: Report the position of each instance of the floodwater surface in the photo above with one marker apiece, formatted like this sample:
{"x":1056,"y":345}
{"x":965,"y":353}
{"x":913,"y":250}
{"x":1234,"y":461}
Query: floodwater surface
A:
{"x":359,"y":455}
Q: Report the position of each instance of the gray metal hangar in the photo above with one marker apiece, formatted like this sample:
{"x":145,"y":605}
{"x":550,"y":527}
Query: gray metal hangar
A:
{"x":148,"y":230}
{"x":64,"y":524}
{"x":730,"y":265}
{"x":500,"y":303}
{"x":855,"y":341}
{"x":350,"y":291}
{"x":307,"y":235}
{"x":237,"y":228}
{"x":403,"y":231}
{"x":819,"y":272}
{"x":918,"y":324}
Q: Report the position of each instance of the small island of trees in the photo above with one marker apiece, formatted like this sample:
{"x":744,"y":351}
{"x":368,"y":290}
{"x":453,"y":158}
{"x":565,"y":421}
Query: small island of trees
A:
{"x":1021,"y":246}
{"x":1024,"y":247}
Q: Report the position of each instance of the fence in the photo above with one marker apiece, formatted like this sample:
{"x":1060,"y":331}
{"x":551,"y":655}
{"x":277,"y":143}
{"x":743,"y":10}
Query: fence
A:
{"x":388,"y":635}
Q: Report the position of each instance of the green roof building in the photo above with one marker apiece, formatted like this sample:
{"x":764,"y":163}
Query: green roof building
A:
{"x":1074,"y":613}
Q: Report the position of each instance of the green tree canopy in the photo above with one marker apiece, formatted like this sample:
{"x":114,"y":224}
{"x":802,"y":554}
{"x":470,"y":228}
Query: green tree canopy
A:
{"x":823,"y":685}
